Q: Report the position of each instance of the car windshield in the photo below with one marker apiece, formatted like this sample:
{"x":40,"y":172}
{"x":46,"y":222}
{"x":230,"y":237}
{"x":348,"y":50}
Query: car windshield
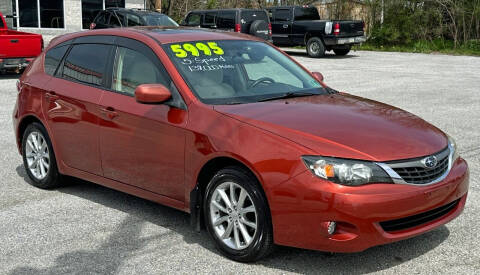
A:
{"x":236,"y":71}
{"x":159,"y":20}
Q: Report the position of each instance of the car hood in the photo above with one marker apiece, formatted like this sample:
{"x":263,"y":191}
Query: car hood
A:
{"x":343,"y":125}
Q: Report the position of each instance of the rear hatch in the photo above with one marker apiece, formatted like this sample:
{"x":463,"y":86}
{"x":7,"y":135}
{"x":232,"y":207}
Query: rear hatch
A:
{"x":255,"y":22}
{"x":350,"y":27}
{"x":14,"y":44}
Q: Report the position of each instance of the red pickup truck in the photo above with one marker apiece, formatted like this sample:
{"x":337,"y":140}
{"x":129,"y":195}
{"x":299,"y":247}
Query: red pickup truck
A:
{"x":17,"y":49}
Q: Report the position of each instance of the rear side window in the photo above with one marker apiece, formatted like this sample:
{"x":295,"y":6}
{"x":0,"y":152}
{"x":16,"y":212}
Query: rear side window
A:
{"x":250,"y":16}
{"x":102,"y":18}
{"x":133,"y":20}
{"x":282,"y":15}
{"x":209,"y":18}
{"x":226,"y":20}
{"x":193,"y":19}
{"x":133,"y":68}
{"x":306,"y":14}
{"x":53,"y":58}
{"x":114,"y":21}
{"x":86,"y":63}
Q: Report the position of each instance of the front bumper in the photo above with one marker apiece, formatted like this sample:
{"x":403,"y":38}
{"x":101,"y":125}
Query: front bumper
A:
{"x":303,"y":205}
{"x":334,"y":41}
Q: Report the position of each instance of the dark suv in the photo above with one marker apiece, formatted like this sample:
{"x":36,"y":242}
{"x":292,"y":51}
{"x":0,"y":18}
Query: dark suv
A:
{"x":119,"y":17}
{"x":249,"y":21}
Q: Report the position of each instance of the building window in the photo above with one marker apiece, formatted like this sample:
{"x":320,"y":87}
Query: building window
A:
{"x":28,"y":13}
{"x":40,"y":13}
{"x":90,"y":9}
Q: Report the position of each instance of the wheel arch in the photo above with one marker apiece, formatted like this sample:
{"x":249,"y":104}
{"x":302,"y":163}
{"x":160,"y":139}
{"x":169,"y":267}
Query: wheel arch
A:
{"x":208,"y":170}
{"x":22,"y":126}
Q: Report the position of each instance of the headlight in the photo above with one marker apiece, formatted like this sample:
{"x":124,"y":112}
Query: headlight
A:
{"x":346,"y":171}
{"x":453,"y":146}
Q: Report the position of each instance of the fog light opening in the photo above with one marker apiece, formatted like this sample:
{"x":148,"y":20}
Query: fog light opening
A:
{"x":331,"y":227}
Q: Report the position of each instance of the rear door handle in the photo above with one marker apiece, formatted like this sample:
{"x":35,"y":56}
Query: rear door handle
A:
{"x":285,"y":26}
{"x":109,"y":112}
{"x":14,"y":41}
{"x":51,"y":96}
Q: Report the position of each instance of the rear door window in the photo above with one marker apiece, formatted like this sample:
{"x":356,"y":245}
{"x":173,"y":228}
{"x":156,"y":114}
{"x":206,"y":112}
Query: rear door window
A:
{"x":193,"y":19}
{"x":209,"y":19}
{"x":133,"y":20}
{"x":87,"y":63}
{"x":248,"y":17}
{"x":53,"y":57}
{"x":282,"y":15}
{"x":310,"y":13}
{"x":226,"y":20}
{"x":114,"y":22}
{"x":102,"y":18}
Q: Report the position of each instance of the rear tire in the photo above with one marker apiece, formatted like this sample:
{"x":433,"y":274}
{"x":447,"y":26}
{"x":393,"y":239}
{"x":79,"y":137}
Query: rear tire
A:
{"x":315,"y":47}
{"x":342,"y":52}
{"x":38,"y":157}
{"x":237,"y":215}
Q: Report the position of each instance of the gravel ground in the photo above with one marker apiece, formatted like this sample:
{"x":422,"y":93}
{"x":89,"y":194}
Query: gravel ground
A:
{"x":85,"y":228}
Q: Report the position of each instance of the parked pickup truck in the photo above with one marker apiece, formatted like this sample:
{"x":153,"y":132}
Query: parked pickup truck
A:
{"x":301,"y":26}
{"x":17,"y":49}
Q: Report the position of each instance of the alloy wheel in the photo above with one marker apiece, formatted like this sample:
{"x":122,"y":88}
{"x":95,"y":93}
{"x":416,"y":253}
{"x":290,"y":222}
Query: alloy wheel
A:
{"x":233,"y":215}
{"x":37,"y":155}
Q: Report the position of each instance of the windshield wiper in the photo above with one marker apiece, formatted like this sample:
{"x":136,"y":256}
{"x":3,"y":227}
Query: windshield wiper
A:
{"x":286,"y":95}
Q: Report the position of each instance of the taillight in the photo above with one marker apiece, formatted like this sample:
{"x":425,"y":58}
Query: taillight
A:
{"x":270,"y":29}
{"x":237,"y":27}
{"x":336,"y":29}
{"x":92,"y":26}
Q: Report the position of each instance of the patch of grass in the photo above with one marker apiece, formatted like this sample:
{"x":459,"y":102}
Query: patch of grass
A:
{"x":472,"y":47}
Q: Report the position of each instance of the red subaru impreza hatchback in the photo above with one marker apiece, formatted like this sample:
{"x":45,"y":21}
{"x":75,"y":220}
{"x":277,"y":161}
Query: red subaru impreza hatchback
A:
{"x":232,"y":130}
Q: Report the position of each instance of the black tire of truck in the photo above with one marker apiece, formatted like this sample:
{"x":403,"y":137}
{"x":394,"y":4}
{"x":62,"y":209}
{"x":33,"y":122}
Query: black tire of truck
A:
{"x":342,"y":52}
{"x":315,"y":47}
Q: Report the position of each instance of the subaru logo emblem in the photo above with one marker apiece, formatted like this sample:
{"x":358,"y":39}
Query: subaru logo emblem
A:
{"x":430,"y":162}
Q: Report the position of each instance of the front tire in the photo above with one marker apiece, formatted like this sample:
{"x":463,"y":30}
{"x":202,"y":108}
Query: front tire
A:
{"x":38,"y":157}
{"x":315,"y":47}
{"x":237,"y":215}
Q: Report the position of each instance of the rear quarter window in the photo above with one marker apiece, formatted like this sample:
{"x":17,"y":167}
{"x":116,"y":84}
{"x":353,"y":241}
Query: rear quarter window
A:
{"x":53,"y":57}
{"x":226,"y":20}
{"x":306,"y":14}
{"x":250,"y":16}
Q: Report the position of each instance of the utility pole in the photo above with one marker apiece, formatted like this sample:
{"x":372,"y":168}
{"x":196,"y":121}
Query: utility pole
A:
{"x":158,"y":5}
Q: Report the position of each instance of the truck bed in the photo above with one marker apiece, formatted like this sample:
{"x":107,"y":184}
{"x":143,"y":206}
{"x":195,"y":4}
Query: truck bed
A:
{"x":15,"y":44}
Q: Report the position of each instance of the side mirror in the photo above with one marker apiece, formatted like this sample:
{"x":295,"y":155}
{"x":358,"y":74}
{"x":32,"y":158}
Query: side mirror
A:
{"x":152,"y":93}
{"x":318,"y":76}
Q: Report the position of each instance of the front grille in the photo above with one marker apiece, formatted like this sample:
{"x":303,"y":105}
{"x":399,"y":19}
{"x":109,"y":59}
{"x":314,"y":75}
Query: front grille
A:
{"x":419,"y":219}
{"x":414,"y":172}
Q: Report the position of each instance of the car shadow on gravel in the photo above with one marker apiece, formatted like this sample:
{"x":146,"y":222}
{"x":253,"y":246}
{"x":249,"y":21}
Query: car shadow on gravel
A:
{"x":328,"y":55}
{"x":126,"y":240}
{"x":9,"y":75}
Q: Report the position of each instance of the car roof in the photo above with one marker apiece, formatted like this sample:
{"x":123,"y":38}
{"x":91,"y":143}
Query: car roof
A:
{"x":135,"y":11}
{"x":217,"y":10}
{"x":164,"y":35}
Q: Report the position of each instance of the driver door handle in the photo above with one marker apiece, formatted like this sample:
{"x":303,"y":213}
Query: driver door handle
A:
{"x":285,"y":26}
{"x":109,"y":112}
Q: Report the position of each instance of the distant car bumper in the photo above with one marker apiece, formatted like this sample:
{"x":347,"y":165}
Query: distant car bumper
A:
{"x":14,"y":63}
{"x":333,"y":41}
